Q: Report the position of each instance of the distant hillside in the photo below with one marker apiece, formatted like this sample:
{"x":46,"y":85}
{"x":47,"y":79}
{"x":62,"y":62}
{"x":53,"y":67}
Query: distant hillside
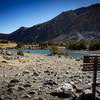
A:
{"x":4,"y":36}
{"x":82,"y":23}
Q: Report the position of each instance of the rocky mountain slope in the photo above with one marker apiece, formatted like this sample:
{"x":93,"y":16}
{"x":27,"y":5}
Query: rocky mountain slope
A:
{"x":82,"y":23}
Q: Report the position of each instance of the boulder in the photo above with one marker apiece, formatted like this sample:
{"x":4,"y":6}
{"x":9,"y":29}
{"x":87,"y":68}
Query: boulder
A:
{"x":65,"y":91}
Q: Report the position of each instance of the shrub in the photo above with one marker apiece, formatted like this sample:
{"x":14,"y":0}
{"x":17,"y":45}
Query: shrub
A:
{"x":43,"y":45}
{"x":55,"y":51}
{"x":19,"y":45}
{"x":76,"y":45}
{"x":20,"y":53}
{"x":4,"y":41}
{"x":94,"y":45}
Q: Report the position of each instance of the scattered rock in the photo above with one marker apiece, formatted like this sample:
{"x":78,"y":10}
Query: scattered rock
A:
{"x":50,"y":82}
{"x":7,"y":57}
{"x":10,"y":85}
{"x":26,"y":72}
{"x":27,"y":82}
{"x":36,"y":74}
{"x":14,"y":81}
{"x":27,"y":85}
{"x":47,"y":71}
{"x":32,"y":92}
{"x":3,"y":61}
{"x":9,"y":90}
{"x":20,"y":88}
{"x":25,"y":95}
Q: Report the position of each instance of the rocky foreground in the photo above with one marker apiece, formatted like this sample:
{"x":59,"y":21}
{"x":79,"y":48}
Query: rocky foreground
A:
{"x":43,"y":77}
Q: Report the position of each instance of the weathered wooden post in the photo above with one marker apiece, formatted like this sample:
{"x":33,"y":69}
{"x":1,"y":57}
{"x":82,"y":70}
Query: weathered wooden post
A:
{"x":94,"y":77}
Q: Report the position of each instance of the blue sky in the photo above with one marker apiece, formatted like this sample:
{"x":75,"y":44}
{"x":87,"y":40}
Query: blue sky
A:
{"x":18,"y":13}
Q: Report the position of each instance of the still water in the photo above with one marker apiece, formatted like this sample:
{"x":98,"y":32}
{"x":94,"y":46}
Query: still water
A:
{"x":70,"y":53}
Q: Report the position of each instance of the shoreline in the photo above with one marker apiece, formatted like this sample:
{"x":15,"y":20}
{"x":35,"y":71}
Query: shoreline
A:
{"x":35,"y":76}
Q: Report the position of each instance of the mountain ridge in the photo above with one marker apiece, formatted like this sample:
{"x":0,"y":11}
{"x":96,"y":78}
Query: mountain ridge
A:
{"x":81,"y":23}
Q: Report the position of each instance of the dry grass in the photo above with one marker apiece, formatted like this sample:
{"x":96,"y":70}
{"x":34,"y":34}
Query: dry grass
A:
{"x":8,"y":45}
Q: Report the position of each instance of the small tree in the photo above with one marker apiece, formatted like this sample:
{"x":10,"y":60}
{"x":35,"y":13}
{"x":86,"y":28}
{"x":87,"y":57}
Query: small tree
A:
{"x":55,"y":51}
